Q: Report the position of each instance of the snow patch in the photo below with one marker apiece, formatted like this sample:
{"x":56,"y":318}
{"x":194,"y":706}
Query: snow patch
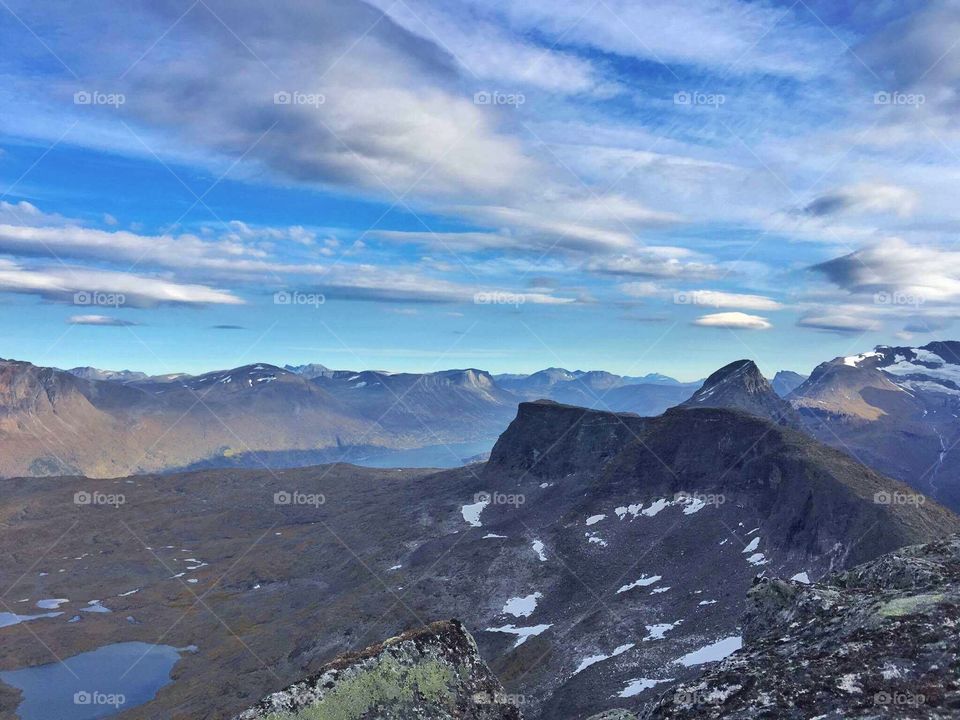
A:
{"x":522,"y":633}
{"x":714,"y":652}
{"x":522,"y":606}
{"x":471,"y":513}
{"x":642,"y":581}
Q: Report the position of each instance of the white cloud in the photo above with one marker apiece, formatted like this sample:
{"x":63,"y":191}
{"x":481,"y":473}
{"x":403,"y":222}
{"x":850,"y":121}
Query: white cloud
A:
{"x":838,"y":321}
{"x":657,"y":261}
{"x":734,"y":321}
{"x":864,"y":198}
{"x":714,"y":298}
{"x":897,"y":268}
{"x":704,"y":32}
{"x":67,"y":282}
{"x":103,"y":320}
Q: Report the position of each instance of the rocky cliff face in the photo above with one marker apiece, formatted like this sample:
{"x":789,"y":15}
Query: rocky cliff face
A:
{"x":434,"y":673}
{"x":881,"y":640}
{"x":548,"y":439}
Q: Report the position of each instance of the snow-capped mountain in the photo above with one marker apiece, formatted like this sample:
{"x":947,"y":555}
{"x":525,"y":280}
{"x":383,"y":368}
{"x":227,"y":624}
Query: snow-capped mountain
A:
{"x":895,"y":409}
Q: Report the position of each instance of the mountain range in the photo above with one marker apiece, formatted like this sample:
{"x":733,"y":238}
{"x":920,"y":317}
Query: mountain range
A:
{"x":103,"y":423}
{"x":894,"y":409}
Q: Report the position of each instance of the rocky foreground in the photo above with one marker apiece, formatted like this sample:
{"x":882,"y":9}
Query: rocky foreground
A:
{"x":880,"y":640}
{"x":434,"y":673}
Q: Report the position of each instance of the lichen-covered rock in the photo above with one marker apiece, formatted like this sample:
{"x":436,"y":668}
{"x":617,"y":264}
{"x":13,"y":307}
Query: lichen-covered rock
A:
{"x":881,"y":640}
{"x":434,"y":673}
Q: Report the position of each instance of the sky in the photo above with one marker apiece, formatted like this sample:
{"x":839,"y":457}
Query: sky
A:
{"x":414,"y":185}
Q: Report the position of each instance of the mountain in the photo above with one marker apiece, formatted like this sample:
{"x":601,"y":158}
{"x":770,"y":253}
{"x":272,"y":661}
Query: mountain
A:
{"x":432,"y":673}
{"x":91,"y":373}
{"x":591,"y":557}
{"x":879,"y":640}
{"x":52,"y":422}
{"x":786,"y":381}
{"x":657,"y":379}
{"x":740,"y":386}
{"x":310,"y":371}
{"x":895,"y":409}
{"x":648,"y":395}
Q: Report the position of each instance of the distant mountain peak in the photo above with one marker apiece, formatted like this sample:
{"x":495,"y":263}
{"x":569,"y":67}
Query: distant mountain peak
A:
{"x":741,"y":386}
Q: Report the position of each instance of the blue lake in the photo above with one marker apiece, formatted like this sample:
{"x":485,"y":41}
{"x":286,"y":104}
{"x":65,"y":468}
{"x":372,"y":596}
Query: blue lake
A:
{"x":94,"y":684}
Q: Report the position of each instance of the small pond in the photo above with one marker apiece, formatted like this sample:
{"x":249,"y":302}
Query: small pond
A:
{"x":95,"y":684}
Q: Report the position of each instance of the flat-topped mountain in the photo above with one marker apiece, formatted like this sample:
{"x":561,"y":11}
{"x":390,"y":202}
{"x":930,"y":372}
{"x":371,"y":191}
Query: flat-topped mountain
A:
{"x":741,"y":386}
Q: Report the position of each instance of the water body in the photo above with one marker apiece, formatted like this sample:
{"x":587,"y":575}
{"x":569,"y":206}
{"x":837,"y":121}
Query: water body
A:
{"x":431,"y":456}
{"x":95,"y":684}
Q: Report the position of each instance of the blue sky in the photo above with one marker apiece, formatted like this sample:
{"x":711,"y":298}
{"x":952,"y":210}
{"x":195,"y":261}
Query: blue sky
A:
{"x":417,"y":185}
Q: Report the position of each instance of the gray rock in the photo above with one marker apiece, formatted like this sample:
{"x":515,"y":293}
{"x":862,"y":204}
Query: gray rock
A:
{"x":878,"y":641}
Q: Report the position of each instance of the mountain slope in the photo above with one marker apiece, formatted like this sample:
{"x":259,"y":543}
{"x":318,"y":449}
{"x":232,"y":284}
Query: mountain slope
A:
{"x":895,"y":409}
